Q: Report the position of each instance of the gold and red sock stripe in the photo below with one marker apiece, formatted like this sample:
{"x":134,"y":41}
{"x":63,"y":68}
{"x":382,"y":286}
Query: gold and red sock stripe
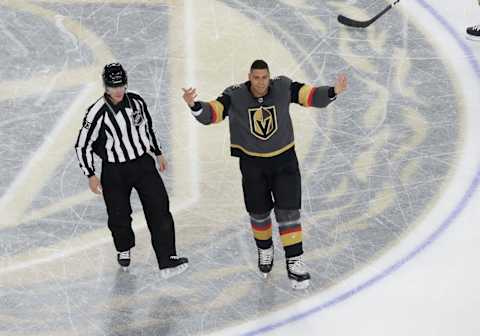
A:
{"x":290,"y":234}
{"x":262,"y":229}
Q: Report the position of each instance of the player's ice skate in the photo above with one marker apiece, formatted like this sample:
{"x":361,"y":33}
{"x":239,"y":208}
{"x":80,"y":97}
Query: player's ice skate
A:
{"x":265,"y":260}
{"x":175,"y":266}
{"x":473,"y":33}
{"x":297,"y":272}
{"x":123,"y":259}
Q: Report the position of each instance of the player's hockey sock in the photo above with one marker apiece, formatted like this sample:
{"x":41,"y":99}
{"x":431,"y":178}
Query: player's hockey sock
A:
{"x":262,"y":230}
{"x":290,"y":231}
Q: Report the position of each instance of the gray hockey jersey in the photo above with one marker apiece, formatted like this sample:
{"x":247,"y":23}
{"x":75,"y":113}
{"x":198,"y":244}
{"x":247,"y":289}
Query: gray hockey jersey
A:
{"x":261,"y":127}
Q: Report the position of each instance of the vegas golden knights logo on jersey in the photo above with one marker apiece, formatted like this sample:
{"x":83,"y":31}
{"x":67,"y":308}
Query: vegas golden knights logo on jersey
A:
{"x":263,"y":121}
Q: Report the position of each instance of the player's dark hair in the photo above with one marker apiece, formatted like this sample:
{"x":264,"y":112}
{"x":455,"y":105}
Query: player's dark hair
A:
{"x":259,"y":65}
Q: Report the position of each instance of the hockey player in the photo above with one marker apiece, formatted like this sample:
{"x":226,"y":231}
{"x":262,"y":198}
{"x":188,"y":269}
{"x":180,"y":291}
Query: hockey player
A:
{"x":261,"y":135}
{"x":118,"y":127}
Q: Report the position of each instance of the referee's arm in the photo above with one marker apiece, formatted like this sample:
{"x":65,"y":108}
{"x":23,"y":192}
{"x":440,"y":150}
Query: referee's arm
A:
{"x":154,"y":146}
{"x":87,"y":135}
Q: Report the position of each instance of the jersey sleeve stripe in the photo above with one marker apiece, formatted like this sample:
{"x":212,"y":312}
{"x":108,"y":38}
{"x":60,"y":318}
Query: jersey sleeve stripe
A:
{"x":217,"y":111}
{"x":310,"y":96}
{"x":305,"y":95}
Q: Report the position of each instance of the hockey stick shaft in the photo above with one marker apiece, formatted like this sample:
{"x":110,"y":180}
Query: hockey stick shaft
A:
{"x":363,"y":24}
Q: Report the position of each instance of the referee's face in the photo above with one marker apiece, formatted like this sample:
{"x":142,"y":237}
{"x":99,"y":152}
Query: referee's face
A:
{"x":259,"y":80}
{"x":116,"y":93}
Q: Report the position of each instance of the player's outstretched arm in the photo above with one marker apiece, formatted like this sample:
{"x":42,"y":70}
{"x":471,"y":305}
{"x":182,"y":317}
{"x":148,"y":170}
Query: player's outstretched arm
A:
{"x":307,"y":95}
{"x":189,"y":96}
{"x":206,"y":112}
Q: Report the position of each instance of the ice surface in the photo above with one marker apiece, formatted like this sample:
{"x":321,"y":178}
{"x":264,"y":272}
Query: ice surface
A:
{"x":373,"y":163}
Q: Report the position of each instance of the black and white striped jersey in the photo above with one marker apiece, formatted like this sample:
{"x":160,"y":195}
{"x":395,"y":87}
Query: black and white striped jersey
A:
{"x":116,"y":133}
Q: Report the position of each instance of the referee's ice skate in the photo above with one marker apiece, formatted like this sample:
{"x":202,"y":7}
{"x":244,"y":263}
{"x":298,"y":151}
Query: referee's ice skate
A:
{"x":123,"y":259}
{"x":174,"y":266}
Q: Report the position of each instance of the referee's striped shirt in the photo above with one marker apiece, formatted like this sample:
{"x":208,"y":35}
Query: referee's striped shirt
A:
{"x":118,"y":133}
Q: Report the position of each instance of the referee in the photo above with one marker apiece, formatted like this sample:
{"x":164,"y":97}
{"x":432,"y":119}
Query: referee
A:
{"x":118,"y":128}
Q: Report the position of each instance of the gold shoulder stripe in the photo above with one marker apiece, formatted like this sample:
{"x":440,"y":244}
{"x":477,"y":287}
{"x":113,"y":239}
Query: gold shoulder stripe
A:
{"x":304,"y":96}
{"x":217,"y":109}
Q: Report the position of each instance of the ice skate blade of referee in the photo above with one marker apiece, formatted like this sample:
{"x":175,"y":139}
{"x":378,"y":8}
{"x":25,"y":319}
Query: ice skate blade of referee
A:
{"x":174,"y":266}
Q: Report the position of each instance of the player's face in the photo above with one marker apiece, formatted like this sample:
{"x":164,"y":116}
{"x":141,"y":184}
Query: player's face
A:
{"x":259,"y":79}
{"x":116,"y":93}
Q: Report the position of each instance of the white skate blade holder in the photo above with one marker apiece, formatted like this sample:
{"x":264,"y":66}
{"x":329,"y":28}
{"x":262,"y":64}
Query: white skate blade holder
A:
{"x":173,"y":271}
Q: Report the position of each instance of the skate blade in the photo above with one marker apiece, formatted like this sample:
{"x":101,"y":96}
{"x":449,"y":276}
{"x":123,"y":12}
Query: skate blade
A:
{"x":168,"y":273}
{"x":300,"y":285}
{"x":124,"y":268}
{"x":265,"y":275}
{"x":472,"y":38}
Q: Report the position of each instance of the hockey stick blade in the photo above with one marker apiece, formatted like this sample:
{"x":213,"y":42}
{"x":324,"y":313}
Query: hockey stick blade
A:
{"x":364,"y":24}
{"x":353,"y":23}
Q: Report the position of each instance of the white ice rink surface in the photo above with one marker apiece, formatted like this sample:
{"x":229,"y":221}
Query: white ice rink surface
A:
{"x":426,"y":283}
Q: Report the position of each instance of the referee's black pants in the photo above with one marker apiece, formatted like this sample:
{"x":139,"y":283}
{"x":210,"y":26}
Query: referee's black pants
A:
{"x":117,"y":180}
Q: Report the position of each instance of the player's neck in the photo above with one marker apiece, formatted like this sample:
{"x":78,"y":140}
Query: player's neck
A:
{"x":258,"y":94}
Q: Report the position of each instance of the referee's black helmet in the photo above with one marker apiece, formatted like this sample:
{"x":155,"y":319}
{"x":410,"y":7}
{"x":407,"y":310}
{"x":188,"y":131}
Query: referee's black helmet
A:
{"x":114,"y":75}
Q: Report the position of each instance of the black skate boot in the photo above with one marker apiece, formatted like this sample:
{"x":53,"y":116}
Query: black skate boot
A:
{"x":297,"y":272}
{"x":174,"y":266}
{"x":473,"y":33}
{"x":123,"y":259}
{"x":265,"y":260}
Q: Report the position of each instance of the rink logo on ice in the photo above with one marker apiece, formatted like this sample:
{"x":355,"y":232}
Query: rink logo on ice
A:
{"x":263,"y":121}
{"x":373,"y":164}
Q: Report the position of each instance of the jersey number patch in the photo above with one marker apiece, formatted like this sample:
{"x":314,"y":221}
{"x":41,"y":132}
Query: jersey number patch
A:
{"x":86,"y":124}
{"x":263,"y":121}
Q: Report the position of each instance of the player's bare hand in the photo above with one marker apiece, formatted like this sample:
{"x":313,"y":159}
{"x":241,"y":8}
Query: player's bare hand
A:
{"x":95,"y":185}
{"x":189,"y":96}
{"x":341,"y":84}
{"x":162,"y":163}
